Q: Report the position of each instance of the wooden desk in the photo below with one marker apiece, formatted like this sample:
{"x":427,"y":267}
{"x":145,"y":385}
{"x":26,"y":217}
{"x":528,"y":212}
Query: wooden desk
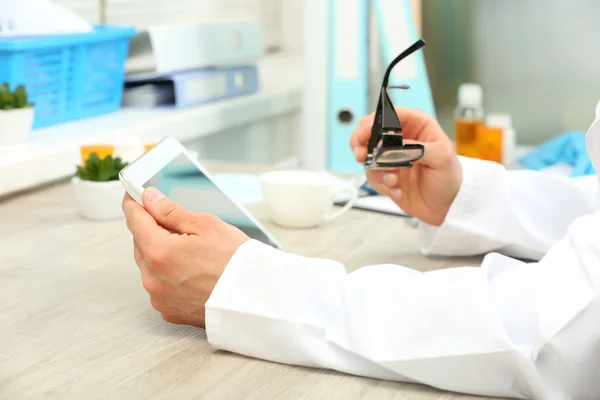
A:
{"x":75,"y":322}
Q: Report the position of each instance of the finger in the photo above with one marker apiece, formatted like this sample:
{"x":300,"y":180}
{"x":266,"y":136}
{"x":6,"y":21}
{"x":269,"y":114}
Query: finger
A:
{"x":375,"y":180}
{"x":436,"y":154}
{"x":140,"y":223}
{"x":360,"y":154}
{"x":127,"y":206}
{"x":395,"y":194}
{"x":131,"y":209}
{"x":167,"y":213}
{"x":391,"y":179}
{"x":375,"y":176}
{"x":137,"y":254}
{"x":362,"y":133}
{"x":416,"y":123}
{"x":139,"y":258}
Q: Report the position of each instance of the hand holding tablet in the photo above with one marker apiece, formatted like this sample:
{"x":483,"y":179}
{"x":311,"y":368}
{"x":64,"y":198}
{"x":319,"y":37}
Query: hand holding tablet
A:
{"x":170,"y":168}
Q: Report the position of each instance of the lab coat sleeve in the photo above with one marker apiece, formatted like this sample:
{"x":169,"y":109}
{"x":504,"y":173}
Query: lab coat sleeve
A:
{"x":520,"y":213}
{"x":506,"y":329}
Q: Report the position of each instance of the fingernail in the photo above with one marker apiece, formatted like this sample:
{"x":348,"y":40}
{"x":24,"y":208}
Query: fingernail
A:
{"x":153,"y":195}
{"x":390,"y":179}
{"x":356,"y":150}
{"x":396,"y":193}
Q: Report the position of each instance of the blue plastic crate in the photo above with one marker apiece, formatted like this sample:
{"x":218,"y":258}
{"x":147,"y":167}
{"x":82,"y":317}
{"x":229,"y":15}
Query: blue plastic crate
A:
{"x":68,"y":77}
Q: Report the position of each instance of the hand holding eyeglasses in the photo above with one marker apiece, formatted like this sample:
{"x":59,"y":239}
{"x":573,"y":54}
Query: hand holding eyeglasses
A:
{"x":427,"y":189}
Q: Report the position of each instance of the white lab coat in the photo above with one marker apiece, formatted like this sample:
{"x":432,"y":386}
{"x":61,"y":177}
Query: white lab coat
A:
{"x":508,"y":328}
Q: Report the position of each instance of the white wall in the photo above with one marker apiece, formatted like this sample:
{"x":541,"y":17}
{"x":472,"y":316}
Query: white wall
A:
{"x":147,"y":12}
{"x":536,"y":60}
{"x":291,"y":26}
{"x":142,"y":13}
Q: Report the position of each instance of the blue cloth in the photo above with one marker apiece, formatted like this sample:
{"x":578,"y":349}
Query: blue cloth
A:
{"x":567,"y":148}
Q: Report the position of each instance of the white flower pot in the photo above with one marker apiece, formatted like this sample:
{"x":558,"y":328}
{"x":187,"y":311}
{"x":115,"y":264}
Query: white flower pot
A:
{"x":15,"y":126}
{"x":98,"y":201}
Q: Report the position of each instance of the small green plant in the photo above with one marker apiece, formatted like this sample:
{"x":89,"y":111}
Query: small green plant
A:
{"x":10,"y":100}
{"x":100,"y":170}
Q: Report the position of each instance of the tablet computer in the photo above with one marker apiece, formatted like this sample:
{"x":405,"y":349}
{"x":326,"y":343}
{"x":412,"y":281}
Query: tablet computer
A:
{"x":169,"y":167}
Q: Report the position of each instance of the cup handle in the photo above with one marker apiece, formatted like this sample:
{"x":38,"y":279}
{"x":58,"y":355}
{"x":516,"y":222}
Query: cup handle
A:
{"x":353,"y":197}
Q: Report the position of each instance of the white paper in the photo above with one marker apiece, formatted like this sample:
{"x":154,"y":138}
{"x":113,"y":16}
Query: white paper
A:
{"x":38,"y":17}
{"x":382,"y":204}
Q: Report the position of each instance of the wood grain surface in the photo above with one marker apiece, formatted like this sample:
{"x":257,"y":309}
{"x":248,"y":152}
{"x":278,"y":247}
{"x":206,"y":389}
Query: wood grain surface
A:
{"x":75,"y":322}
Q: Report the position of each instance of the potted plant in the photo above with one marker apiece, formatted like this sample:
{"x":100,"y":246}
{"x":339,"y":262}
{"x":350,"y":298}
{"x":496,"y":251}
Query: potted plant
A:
{"x":97,"y":189}
{"x":16,"y":115}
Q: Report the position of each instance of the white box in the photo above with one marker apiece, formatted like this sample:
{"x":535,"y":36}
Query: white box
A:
{"x":172,"y":48}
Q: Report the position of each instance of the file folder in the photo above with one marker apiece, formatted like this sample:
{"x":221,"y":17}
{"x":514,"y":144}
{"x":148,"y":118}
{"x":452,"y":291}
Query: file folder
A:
{"x":348,"y":80}
{"x":397,"y":31}
{"x":190,"y":88}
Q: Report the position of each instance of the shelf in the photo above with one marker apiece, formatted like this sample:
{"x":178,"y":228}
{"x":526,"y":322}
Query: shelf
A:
{"x":54,"y":151}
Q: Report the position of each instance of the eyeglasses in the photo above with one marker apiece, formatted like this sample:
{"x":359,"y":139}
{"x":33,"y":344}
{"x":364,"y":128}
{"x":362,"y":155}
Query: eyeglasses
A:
{"x":386,"y":148}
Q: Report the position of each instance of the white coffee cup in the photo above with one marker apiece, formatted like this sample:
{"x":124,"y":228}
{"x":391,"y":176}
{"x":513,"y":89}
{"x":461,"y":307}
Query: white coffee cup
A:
{"x":304,"y":199}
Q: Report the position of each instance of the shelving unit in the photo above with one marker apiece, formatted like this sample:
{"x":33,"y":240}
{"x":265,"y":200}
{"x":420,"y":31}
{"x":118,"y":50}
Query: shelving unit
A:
{"x":53,"y":152}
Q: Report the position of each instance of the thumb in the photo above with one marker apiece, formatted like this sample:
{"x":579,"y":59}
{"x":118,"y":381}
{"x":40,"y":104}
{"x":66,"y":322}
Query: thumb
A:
{"x":436,"y":154}
{"x":166,"y":212}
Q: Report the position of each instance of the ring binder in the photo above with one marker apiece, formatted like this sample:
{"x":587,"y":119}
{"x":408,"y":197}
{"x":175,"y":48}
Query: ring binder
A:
{"x":336,"y":80}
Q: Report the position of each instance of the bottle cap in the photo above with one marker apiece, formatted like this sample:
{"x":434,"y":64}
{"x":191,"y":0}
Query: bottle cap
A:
{"x":470,"y":94}
{"x":499,"y":120}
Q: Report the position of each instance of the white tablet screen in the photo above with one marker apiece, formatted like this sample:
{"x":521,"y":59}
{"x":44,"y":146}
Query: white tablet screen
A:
{"x":185,"y":184}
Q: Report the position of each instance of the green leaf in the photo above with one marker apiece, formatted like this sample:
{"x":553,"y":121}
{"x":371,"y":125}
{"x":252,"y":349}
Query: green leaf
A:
{"x":7,"y":101}
{"x":83,"y":174}
{"x":11,"y":100}
{"x":20,"y":97}
{"x":4,"y":88}
{"x":100,"y":170}
{"x":80,"y":171}
{"x":105,"y":169}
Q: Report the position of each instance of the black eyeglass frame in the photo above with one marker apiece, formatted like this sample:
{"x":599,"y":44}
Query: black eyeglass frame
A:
{"x":386,"y":134}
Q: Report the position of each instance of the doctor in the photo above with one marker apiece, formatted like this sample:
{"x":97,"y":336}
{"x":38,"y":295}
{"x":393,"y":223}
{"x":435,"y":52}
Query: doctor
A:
{"x":508,"y":328}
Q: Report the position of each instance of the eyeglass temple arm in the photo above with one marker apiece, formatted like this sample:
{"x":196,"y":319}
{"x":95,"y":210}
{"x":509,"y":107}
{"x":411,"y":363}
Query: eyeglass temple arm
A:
{"x":385,"y":114}
{"x":414,"y":47}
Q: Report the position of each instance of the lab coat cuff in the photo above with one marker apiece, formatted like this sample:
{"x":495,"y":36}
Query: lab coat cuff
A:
{"x":449,"y":238}
{"x":263,"y":289}
{"x":240,"y":295}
